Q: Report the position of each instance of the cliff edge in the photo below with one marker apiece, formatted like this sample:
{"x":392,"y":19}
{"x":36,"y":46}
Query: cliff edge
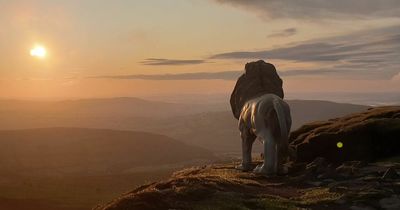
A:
{"x":351,"y":185}
{"x":359,"y":173}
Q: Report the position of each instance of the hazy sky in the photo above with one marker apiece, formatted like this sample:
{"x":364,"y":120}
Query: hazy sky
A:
{"x":99,"y":48}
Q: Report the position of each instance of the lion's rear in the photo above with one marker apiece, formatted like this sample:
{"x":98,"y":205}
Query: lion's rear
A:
{"x":269,"y":113}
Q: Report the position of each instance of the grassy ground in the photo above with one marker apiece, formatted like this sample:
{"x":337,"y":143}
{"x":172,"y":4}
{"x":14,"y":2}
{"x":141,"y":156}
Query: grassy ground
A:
{"x":221,"y":186}
{"x":69,"y":192}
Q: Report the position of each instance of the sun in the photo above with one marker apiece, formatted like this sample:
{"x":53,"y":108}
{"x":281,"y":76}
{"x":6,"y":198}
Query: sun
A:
{"x":38,"y":52}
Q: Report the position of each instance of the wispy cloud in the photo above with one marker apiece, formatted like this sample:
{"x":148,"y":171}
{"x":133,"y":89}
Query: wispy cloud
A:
{"x":284,"y":33}
{"x":170,"y":62}
{"x":223,"y":75}
{"x":362,"y":53}
{"x":233,"y":75}
{"x":359,"y":47}
{"x":396,"y":77}
{"x":321,"y":9}
{"x":369,"y":54}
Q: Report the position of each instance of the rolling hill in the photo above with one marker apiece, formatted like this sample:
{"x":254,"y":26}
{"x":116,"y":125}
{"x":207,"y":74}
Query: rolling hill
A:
{"x":48,"y":167}
{"x":76,"y":168}
{"x":89,"y":151}
{"x":217,"y":131}
{"x":211,"y":126}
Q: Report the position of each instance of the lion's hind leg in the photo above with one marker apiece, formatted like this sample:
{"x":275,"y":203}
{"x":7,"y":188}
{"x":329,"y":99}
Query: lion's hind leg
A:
{"x":282,"y":158}
{"x":270,"y":165}
{"x":248,"y":139}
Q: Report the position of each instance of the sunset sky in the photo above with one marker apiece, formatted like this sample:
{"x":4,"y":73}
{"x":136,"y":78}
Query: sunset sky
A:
{"x":100,"y":48}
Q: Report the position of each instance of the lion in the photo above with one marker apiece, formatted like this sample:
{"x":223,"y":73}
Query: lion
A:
{"x":268,"y":119}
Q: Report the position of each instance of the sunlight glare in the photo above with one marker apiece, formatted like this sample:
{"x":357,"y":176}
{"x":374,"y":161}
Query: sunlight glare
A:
{"x":38,"y":51}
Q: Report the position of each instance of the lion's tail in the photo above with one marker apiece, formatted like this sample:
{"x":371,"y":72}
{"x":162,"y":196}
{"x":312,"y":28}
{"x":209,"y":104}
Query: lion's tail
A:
{"x":282,"y":120}
{"x":260,"y":122}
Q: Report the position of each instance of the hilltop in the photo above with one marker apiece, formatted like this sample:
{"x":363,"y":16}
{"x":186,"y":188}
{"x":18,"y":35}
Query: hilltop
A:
{"x":221,"y":186}
{"x":350,"y":182}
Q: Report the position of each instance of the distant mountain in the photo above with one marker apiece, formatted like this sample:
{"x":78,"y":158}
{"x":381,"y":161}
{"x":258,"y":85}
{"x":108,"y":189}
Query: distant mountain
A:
{"x":211,"y":126}
{"x":113,"y":113}
{"x":218,"y":131}
{"x":103,"y":107}
{"x":89,"y":151}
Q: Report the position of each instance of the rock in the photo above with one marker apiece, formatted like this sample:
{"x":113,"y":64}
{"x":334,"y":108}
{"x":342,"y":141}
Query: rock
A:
{"x":259,"y":78}
{"x":361,"y":208}
{"x":220,"y":186}
{"x":355,"y":164}
{"x":364,"y":136}
{"x":391,"y":203}
{"x":328,"y":173}
{"x":350,"y":168}
{"x":340,"y":201}
{"x":370,"y":178}
{"x":346,"y":171}
{"x":295,"y":167}
{"x":316,"y":183}
{"x":390,"y":174}
{"x":328,"y":180}
{"x":317,"y":166}
{"x":317,"y":162}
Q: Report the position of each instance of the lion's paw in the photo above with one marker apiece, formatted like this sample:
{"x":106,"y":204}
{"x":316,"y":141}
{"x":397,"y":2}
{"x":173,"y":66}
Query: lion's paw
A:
{"x":261,"y":169}
{"x":244,"y":167}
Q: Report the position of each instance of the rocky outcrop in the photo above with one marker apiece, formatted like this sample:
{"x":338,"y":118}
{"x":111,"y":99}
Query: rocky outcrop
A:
{"x":367,"y":136}
{"x":259,"y":78}
{"x":353,"y":185}
{"x":316,"y":181}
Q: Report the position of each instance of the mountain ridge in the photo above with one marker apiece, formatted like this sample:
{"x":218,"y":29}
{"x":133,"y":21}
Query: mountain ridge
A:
{"x":209,"y":126}
{"x":96,"y":151}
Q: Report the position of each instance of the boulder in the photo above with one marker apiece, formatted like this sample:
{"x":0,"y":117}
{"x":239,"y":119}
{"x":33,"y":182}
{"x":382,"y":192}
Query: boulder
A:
{"x":390,"y":173}
{"x":364,"y":136}
{"x":221,"y":186}
{"x":259,"y":78}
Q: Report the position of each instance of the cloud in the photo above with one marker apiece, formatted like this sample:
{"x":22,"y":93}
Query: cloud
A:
{"x":355,"y":48}
{"x":169,"y":62}
{"x":396,"y":77}
{"x":371,"y":54}
{"x":368,"y":54}
{"x":223,"y":75}
{"x":233,"y":75}
{"x":285,"y":33}
{"x":309,"y":9}
{"x":365,"y":52}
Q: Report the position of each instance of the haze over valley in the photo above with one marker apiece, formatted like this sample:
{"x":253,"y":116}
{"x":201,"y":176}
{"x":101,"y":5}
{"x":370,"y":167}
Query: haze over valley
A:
{"x":210,"y":126}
